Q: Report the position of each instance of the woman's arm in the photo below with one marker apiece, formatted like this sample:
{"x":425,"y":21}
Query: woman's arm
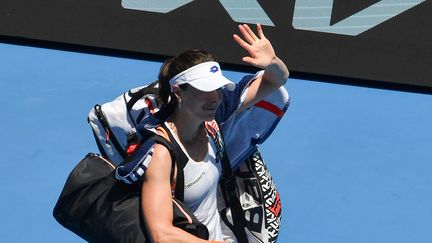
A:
{"x":156,"y":201}
{"x":261,"y":55}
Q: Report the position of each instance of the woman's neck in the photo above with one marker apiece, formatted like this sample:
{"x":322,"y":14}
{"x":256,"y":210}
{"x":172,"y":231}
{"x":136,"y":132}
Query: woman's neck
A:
{"x":188,"y":128}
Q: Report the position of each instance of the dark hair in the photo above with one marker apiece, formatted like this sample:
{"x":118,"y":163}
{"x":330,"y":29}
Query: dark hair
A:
{"x":176,"y":65}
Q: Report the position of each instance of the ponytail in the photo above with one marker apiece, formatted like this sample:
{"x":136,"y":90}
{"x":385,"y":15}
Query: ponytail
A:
{"x":164,"y":92}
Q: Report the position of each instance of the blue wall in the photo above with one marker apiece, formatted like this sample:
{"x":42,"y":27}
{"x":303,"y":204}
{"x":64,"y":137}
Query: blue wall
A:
{"x":352,"y":164}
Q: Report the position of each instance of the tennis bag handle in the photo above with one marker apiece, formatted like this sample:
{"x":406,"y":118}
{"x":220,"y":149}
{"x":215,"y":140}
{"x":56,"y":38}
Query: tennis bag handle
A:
{"x":150,"y":89}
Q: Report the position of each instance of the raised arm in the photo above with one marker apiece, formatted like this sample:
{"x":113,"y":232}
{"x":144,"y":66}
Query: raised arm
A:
{"x":261,"y":55}
{"x":157,"y":204}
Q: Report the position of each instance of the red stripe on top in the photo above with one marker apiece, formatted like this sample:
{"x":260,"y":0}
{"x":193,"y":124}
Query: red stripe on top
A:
{"x":270,"y":107}
{"x":131,"y":149}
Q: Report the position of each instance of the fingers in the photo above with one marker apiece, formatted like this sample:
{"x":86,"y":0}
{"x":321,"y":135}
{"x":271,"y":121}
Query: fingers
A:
{"x":249,"y":31}
{"x":246,"y":34}
{"x":249,"y":60}
{"x":241,"y":42}
{"x":249,"y":35}
{"x":260,"y":31}
{"x":246,"y":46}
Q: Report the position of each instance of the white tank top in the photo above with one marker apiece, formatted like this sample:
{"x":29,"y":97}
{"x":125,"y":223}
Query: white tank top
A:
{"x":200,"y":188}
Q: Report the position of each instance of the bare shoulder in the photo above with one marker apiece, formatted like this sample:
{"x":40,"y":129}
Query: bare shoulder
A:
{"x":160,"y":165}
{"x":161,"y":152}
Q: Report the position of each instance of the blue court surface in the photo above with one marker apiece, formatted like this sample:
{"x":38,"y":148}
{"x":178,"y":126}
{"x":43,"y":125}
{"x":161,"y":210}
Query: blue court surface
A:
{"x":352,"y":164}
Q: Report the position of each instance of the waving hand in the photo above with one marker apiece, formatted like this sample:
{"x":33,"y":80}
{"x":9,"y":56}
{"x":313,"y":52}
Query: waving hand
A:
{"x":263,"y":56}
{"x":261,"y":52}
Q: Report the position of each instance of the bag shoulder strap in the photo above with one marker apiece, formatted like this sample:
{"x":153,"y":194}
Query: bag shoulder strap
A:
{"x":181,"y":162}
{"x":228,"y":183}
{"x":174,"y":157}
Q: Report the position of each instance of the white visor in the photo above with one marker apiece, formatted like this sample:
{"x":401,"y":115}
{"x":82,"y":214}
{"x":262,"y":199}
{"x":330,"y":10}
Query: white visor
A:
{"x":205,"y":76}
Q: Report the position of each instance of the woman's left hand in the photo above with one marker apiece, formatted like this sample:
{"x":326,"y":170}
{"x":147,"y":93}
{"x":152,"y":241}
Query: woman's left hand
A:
{"x":261,"y":55}
{"x":261,"y":52}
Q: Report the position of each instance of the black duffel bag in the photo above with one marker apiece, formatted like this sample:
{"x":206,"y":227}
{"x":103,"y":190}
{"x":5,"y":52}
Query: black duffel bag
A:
{"x":98,"y":208}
